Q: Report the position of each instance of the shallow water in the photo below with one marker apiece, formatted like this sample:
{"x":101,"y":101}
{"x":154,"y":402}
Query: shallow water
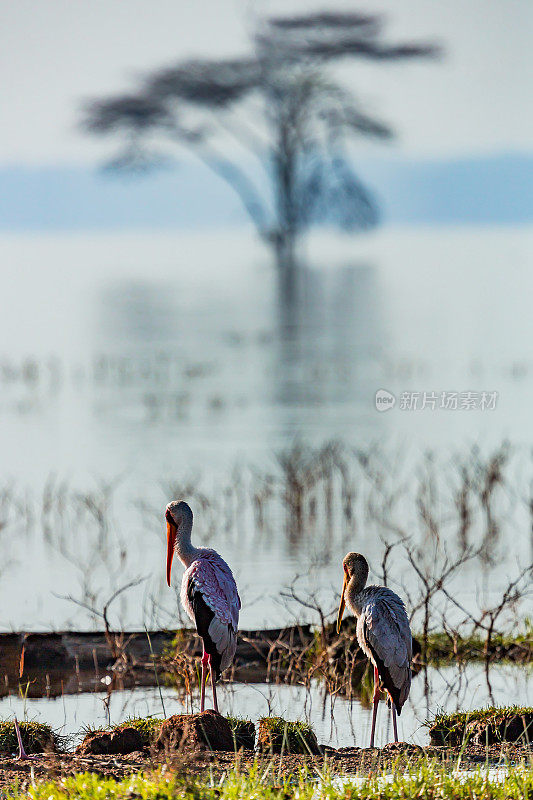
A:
{"x":492,"y":774}
{"x":157,"y":359}
{"x":337,"y":722}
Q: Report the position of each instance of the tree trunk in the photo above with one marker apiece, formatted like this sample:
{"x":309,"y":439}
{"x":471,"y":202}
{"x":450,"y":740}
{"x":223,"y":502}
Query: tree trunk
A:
{"x":287,"y":276}
{"x":286,"y":216}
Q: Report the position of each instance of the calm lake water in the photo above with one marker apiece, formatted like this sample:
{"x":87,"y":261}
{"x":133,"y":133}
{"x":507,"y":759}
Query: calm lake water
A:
{"x":158,"y":360}
{"x":337,"y":722}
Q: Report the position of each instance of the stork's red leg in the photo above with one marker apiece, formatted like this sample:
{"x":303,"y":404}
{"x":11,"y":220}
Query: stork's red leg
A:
{"x":214,"y":685}
{"x":205,"y":661}
{"x":394,"y":725}
{"x":22,"y":756}
{"x":375,"y":708}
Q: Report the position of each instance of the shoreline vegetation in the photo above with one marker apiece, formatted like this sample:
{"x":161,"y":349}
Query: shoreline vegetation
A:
{"x":51,"y":664}
{"x":427,"y":780}
{"x":487,"y":754}
{"x":437,"y":524}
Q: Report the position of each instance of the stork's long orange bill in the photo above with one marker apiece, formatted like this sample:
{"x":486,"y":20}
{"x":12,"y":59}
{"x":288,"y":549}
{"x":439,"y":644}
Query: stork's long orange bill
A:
{"x":342,"y":603}
{"x":171,"y":542}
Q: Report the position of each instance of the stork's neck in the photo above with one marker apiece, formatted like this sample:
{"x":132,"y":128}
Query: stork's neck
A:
{"x":185,"y":551}
{"x":354,"y":594}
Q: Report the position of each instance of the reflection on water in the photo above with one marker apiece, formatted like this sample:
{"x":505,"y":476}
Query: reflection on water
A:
{"x":442,"y":521}
{"x":135,"y":311}
{"x":156,"y":362}
{"x":335,"y":330}
{"x":337,"y":722}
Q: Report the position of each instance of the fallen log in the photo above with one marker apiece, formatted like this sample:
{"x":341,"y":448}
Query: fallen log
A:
{"x":68,"y":662}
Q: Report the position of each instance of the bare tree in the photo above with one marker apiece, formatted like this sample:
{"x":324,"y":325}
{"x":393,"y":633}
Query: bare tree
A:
{"x":274,"y":125}
{"x":433,"y":574}
{"x":115,"y":641}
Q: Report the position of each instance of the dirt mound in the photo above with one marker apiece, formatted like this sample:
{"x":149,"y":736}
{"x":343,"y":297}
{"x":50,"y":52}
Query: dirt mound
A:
{"x":120,"y":741}
{"x":206,"y":731}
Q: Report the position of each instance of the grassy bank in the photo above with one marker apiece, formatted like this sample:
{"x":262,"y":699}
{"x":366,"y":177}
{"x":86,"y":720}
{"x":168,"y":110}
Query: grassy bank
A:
{"x":426,"y":780}
{"x":299,"y":654}
{"x":488,"y":726}
{"x":37,"y":737}
{"x":517,"y":648}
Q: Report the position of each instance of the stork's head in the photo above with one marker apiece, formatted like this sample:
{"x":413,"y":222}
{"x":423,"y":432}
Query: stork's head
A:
{"x":355,"y":568}
{"x":178,"y":515}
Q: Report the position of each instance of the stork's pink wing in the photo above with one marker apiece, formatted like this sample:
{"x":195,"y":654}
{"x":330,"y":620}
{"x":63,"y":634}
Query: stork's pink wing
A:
{"x":215,"y":580}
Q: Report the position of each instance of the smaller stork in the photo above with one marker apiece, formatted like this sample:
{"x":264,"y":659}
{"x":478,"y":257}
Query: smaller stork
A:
{"x":208,"y":594}
{"x":383,"y":634}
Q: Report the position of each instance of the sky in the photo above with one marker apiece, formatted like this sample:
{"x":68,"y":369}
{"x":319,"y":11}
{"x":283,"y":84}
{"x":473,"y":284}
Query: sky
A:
{"x":472,"y":104}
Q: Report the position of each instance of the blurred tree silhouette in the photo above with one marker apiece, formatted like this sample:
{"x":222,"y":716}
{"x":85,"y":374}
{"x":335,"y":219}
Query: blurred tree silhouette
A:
{"x":280,"y":105}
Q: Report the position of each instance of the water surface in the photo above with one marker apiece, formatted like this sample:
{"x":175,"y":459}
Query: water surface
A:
{"x":158,"y":362}
{"x":337,"y":722}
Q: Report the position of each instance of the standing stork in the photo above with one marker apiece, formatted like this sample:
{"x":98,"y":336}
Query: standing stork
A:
{"x":208,"y":594}
{"x":383,"y":634}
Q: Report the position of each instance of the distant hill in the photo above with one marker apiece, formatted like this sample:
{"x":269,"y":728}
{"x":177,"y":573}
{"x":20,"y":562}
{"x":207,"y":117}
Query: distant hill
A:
{"x":495,"y":190}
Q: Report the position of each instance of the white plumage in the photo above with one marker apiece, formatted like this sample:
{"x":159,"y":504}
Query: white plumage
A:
{"x":213,"y":578}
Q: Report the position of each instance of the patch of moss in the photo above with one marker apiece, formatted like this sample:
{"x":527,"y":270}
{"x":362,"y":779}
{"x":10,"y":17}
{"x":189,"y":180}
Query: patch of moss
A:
{"x":490,"y":712}
{"x":148,"y":727}
{"x":37,"y":737}
{"x":277,"y":735}
{"x":491,"y":724}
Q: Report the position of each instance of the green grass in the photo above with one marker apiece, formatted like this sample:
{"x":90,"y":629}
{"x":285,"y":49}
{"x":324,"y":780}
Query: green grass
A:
{"x":517,"y":646}
{"x":278,"y":735}
{"x":146,"y":725}
{"x":427,"y":780}
{"x":440,"y":646}
{"x":452,"y":729}
{"x":479,"y":714}
{"x":36,"y":737}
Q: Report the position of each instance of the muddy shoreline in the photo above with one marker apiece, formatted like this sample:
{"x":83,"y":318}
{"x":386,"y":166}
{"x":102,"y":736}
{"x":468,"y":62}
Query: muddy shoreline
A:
{"x":345,"y":761}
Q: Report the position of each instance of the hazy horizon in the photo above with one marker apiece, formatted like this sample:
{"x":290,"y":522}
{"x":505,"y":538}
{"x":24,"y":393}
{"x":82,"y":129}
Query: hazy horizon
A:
{"x":495,"y":190}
